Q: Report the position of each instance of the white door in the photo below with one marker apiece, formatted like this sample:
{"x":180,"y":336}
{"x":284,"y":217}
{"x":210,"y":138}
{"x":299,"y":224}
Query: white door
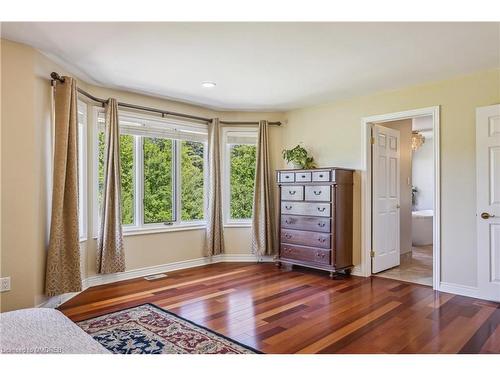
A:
{"x":488,"y":200}
{"x":385,"y":198}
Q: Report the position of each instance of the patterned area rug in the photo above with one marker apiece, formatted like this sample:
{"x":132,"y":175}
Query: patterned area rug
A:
{"x":148,"y":329}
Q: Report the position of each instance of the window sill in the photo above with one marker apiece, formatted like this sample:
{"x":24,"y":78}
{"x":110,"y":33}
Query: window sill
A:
{"x":144,"y":231}
{"x":179,"y":228}
{"x":238,"y":225}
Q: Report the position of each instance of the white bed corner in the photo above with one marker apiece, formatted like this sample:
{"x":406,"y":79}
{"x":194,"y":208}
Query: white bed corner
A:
{"x":44,"y":331}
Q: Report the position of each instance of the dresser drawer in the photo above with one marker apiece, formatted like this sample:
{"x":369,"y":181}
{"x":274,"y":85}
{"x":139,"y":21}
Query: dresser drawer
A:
{"x":321,"y":176}
{"x":303,"y":176}
{"x":317,"y":224}
{"x":286,"y":177}
{"x":306,"y":208}
{"x":305,"y":254}
{"x":292,"y":193}
{"x":301,"y":237}
{"x":318,"y":193}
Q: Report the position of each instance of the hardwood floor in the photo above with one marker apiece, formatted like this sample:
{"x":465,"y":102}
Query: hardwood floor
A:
{"x":303,"y":311}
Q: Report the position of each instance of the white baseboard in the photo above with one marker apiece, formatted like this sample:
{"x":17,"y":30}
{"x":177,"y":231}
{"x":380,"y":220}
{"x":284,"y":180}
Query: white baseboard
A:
{"x":146,"y":271}
{"x":463,"y":290}
{"x":357,"y":271}
{"x":53,"y":302}
{"x":169,"y":267}
{"x":245,"y":258}
{"x":102,"y":279}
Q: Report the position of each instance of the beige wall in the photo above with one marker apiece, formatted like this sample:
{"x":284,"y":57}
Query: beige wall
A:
{"x":404,"y":127}
{"x":18,"y":221}
{"x":26,"y":172}
{"x":333,"y":132}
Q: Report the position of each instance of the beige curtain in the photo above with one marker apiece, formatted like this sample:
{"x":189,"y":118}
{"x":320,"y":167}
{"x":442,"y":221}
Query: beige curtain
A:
{"x":214,"y":243}
{"x":63,"y":273}
{"x":263,"y":235}
{"x":110,"y":255}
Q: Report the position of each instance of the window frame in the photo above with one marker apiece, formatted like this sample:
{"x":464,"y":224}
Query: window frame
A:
{"x":139,"y":227}
{"x":82,"y":144}
{"x":226,"y":174}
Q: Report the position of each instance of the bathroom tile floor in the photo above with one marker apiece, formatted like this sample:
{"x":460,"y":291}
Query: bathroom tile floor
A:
{"x":416,"y":269}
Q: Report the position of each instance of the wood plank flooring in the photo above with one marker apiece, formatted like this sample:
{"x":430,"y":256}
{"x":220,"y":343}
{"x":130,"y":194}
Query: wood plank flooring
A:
{"x":303,"y":311}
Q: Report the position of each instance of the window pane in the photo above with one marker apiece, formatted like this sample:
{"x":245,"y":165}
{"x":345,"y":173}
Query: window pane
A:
{"x":157,"y":180}
{"x":127,"y":175}
{"x":192,"y":193}
{"x":242,"y":180}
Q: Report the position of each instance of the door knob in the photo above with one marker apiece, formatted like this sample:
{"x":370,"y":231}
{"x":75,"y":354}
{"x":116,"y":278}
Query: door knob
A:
{"x":486,"y":216}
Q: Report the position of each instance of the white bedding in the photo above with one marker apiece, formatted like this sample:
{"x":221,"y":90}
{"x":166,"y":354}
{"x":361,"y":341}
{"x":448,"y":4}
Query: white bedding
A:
{"x":44,"y":331}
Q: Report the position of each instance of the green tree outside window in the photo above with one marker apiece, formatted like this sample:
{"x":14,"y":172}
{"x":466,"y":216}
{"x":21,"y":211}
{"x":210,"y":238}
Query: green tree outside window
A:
{"x":242,"y":180}
{"x":192,"y":186}
{"x":127,"y":175}
{"x":158,"y":188}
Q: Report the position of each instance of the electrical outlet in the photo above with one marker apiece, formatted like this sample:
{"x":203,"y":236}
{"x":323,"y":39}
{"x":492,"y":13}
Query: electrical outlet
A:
{"x":4,"y":284}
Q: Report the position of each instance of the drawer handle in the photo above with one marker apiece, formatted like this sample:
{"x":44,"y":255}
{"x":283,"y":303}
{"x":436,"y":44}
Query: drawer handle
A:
{"x":288,"y":236}
{"x":287,"y":176}
{"x":292,"y":192}
{"x":321,"y":209}
{"x":320,"y":176}
{"x":288,"y":221}
{"x":317,"y":192}
{"x":320,"y":255}
{"x":321,"y":225}
{"x":321,"y":239}
{"x":288,"y":207}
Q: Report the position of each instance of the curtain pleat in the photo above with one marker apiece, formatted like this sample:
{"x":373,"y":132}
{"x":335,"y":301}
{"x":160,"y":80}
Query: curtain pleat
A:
{"x":214,"y":243}
{"x":110,"y":251}
{"x":63,"y":274}
{"x":263,"y":234}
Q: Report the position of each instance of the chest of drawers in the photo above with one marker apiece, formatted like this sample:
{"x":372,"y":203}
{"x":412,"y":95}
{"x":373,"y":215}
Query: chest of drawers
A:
{"x":315,"y":227}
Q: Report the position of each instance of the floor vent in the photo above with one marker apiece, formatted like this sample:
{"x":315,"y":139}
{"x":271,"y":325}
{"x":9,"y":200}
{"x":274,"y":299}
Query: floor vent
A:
{"x":155,"y":277}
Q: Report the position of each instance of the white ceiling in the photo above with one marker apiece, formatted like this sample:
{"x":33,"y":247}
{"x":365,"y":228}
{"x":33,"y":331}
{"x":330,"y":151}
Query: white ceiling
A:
{"x":263,"y":66}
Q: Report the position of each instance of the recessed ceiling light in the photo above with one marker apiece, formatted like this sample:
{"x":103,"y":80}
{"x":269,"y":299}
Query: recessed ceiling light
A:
{"x":208,"y":84}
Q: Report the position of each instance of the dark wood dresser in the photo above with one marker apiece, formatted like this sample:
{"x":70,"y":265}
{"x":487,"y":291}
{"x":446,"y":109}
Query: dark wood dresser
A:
{"x":315,"y":227}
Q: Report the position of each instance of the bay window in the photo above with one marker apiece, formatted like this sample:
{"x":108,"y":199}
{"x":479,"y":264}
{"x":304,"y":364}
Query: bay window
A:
{"x":163,"y":172}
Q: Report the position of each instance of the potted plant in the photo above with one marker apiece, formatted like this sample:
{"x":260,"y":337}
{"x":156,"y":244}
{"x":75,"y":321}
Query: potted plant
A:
{"x":298,"y":158}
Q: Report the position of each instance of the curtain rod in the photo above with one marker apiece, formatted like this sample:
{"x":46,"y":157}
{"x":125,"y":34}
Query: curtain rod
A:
{"x":56,"y":77}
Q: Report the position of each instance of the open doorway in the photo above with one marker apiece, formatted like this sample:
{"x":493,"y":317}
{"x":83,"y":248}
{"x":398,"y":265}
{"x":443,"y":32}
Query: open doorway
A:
{"x":416,"y":200}
{"x":402,"y":196}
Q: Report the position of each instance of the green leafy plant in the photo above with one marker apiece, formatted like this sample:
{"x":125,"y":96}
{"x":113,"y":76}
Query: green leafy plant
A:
{"x":299,"y":156}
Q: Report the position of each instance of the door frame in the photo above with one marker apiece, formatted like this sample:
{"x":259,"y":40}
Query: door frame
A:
{"x":366,"y":187}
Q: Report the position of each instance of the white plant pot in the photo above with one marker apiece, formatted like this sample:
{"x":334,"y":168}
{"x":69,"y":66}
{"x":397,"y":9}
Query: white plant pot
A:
{"x":293,"y":165}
